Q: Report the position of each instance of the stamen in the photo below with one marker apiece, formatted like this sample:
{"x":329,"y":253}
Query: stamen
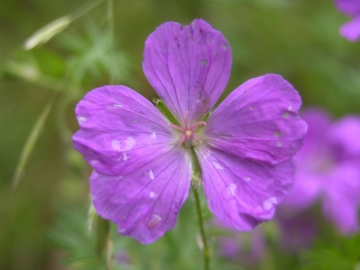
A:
{"x":182,"y":139}
{"x":176,"y":127}
{"x":196,"y":125}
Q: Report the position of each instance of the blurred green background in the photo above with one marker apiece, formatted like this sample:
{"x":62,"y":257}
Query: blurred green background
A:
{"x":296,"y":38}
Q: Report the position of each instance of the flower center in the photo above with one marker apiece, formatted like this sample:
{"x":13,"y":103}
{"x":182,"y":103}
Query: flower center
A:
{"x":188,"y":132}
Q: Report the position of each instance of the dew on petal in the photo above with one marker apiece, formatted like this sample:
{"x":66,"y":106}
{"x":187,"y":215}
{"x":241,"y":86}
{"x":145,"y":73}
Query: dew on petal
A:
{"x":251,"y":108}
{"x":125,"y":157}
{"x":278,"y":144}
{"x":152,"y":194}
{"x":81,"y":119}
{"x":232,"y":189}
{"x":151,"y":175}
{"x":118,"y":106}
{"x":121,"y":230}
{"x":225,"y":46}
{"x":285,"y":115}
{"x":217,"y":166}
{"x":204,"y":63}
{"x":153,"y":136}
{"x":229,"y":192}
{"x":154,"y":220}
{"x":247,"y":179}
{"x":268,"y":204}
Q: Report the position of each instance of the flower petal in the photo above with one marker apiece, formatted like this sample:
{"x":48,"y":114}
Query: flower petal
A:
{"x":144,"y":201}
{"x":316,"y":142}
{"x":344,"y":135}
{"x":342,"y":197}
{"x":351,"y":30}
{"x":307,"y":188}
{"x":259,"y":120}
{"x":117,"y":127}
{"x":189,"y":66}
{"x":242,"y":193}
{"x":349,"y":7}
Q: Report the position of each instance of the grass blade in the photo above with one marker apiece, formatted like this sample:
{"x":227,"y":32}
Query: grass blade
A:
{"x":30,"y":143}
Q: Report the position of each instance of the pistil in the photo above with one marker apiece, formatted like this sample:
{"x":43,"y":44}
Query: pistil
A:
{"x":188,"y":131}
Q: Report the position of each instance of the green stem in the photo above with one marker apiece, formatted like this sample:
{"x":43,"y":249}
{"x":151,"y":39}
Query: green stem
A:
{"x":110,"y":17}
{"x":206,"y":250}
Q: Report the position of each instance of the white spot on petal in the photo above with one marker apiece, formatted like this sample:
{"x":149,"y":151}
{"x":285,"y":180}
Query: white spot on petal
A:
{"x":154,"y":220}
{"x":278,"y":144}
{"x":152,"y":194}
{"x":115,"y":145}
{"x":153,"y":136}
{"x":121,"y":231}
{"x":268,"y":204}
{"x":217,"y":166}
{"x":129,"y":143}
{"x":151,"y":175}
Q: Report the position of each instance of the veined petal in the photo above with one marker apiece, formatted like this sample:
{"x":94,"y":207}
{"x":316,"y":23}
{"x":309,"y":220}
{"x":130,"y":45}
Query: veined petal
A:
{"x":242,"y":193}
{"x":351,"y":30}
{"x":119,"y":127}
{"x":259,"y":121}
{"x":188,"y":66}
{"x":144,"y":201}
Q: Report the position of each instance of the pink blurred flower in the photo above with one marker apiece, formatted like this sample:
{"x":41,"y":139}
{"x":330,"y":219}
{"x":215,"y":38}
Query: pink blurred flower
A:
{"x":328,"y":169}
{"x":350,"y":30}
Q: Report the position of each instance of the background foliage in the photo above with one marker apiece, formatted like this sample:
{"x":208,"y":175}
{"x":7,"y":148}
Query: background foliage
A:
{"x":44,"y":220}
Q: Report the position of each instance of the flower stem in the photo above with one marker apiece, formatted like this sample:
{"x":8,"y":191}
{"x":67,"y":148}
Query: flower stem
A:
{"x":110,"y":18}
{"x":206,"y":250}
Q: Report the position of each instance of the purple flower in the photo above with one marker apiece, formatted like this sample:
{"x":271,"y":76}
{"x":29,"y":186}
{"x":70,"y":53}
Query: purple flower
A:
{"x":328,"y":167}
{"x":350,"y":30}
{"x":143,"y":163}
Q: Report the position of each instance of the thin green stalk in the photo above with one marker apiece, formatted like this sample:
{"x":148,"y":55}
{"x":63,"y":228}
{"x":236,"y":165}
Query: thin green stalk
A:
{"x":110,"y":17}
{"x":206,"y":249}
